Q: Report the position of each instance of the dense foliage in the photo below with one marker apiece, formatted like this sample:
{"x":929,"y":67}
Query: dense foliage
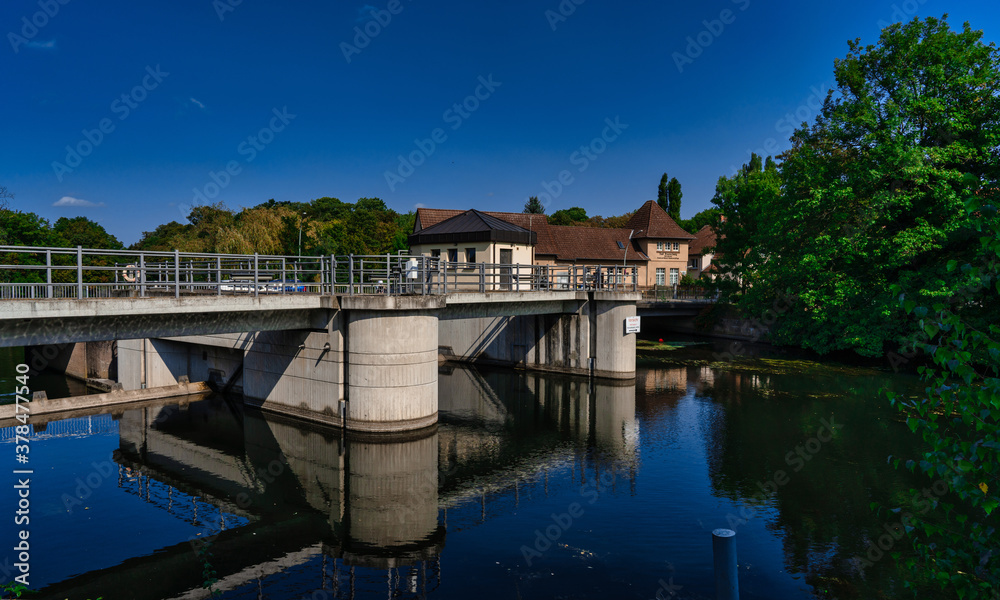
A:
{"x":959,"y":420}
{"x":871,"y":194}
{"x":327,"y":226}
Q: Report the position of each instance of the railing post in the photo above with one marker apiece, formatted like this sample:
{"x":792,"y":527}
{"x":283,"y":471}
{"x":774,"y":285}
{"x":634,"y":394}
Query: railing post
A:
{"x":333,"y":275}
{"x":142,"y":275}
{"x":388,"y":274}
{"x":177,"y":274}
{"x":284,"y":279}
{"x":350,"y":274}
{"x":256,"y":275}
{"x":48,"y":272}
{"x":79,"y":272}
{"x":482,"y":277}
{"x":218,"y":275}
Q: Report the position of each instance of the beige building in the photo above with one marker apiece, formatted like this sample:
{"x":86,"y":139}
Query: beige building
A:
{"x":652,"y":247}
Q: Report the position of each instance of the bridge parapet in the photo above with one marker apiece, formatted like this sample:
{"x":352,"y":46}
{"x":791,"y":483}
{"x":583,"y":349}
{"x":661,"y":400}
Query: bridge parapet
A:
{"x":31,"y":273}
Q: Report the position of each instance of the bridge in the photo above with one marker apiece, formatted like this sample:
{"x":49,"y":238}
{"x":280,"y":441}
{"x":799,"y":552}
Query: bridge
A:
{"x":349,"y":341}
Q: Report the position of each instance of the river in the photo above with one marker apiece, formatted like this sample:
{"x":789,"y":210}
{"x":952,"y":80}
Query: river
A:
{"x":531,"y":486}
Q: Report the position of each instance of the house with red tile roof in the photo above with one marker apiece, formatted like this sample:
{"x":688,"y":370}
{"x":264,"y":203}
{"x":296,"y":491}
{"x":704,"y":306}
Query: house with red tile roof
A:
{"x":701,"y":251}
{"x":652,"y":245}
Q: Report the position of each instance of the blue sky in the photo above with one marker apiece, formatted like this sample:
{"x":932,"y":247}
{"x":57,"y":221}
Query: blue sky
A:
{"x":169,"y":104}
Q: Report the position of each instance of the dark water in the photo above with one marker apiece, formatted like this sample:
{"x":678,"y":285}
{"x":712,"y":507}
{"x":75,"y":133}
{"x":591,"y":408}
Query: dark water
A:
{"x":532,"y":486}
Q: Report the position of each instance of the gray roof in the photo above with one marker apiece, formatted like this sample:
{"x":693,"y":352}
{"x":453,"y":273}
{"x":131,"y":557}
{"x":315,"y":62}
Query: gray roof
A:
{"x":473,"y":226}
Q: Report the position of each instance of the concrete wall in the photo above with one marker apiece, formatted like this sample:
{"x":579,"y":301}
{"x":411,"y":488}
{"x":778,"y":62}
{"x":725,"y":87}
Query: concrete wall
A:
{"x":81,"y":360}
{"x":562,"y":342}
{"x":156,"y":362}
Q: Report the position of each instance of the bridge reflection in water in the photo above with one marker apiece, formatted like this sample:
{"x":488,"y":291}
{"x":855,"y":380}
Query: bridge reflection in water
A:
{"x":291,"y":510}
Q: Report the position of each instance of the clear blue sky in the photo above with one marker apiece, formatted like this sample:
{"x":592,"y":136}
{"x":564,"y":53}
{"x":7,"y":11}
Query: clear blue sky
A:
{"x":202,"y":79}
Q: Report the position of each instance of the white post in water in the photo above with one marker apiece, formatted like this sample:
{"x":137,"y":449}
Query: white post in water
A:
{"x":727,"y":585}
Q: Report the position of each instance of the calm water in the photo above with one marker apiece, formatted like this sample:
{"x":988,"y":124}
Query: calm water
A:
{"x":531,"y":486}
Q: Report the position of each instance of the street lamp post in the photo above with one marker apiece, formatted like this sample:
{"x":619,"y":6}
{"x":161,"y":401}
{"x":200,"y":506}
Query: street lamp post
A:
{"x":300,"y":234}
{"x":624,"y":258}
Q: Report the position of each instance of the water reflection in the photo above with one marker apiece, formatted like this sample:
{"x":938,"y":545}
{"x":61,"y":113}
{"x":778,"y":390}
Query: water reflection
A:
{"x":285,"y":508}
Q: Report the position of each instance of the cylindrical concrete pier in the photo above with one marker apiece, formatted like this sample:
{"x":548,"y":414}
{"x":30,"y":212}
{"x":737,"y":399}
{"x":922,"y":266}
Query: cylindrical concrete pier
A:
{"x":392,"y":370}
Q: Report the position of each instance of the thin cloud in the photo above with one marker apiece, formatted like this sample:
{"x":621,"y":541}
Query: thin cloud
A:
{"x":196,"y":103}
{"x":69,"y":201}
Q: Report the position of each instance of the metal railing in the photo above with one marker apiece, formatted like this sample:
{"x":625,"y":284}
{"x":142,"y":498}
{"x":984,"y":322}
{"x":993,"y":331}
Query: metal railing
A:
{"x":80,"y":273}
{"x":676,"y":292}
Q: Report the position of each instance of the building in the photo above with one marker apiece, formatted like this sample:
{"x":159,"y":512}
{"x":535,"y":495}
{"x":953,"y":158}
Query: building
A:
{"x":701,"y":252}
{"x":652,"y":248}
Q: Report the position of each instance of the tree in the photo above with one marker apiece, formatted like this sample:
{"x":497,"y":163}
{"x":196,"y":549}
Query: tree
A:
{"x":709,"y":216}
{"x":959,"y":419}
{"x":5,"y":196}
{"x":674,"y":199}
{"x":534,"y":206}
{"x":870,"y":195}
{"x":663,"y":194}
{"x":568,"y":216}
{"x":81,"y":231}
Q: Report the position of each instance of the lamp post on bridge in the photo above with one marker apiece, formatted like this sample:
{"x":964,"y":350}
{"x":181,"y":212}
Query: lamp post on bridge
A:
{"x":300,"y":234}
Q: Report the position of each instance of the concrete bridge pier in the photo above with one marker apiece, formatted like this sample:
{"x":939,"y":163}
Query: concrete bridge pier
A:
{"x":392,"y":363}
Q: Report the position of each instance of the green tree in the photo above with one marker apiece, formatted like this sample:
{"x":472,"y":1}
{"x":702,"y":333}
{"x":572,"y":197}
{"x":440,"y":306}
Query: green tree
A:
{"x":870,"y":194}
{"x":709,"y":216}
{"x":5,"y":197}
{"x":663,"y":194}
{"x":534,"y":206}
{"x":81,"y":231}
{"x":959,"y":418}
{"x":674,"y":195}
{"x":568,"y":216}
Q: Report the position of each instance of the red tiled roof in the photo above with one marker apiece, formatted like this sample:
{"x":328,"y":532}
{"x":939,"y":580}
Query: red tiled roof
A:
{"x":654,"y":222}
{"x":427,"y":217}
{"x":594,"y":243}
{"x":705,"y":238}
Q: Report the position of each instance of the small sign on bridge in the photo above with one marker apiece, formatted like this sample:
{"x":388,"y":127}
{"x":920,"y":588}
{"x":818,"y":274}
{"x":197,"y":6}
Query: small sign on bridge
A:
{"x":631,"y":325}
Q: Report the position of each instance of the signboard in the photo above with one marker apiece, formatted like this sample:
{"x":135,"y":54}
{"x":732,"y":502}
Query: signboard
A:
{"x":631,"y":325}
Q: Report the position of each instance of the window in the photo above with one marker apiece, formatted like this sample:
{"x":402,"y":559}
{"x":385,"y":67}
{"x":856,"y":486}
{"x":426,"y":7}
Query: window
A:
{"x":435,"y":254}
{"x":677,"y":246}
{"x":470,"y":255}
{"x":659,"y":246}
{"x":674,"y":276}
{"x":452,"y":254}
{"x":621,"y":246}
{"x":693,"y":264}
{"x":661,"y":276}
